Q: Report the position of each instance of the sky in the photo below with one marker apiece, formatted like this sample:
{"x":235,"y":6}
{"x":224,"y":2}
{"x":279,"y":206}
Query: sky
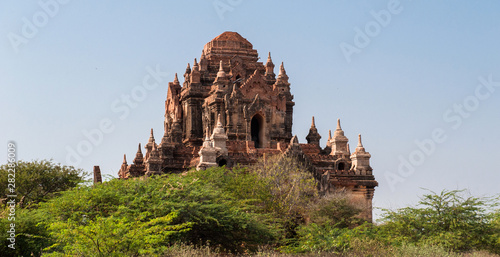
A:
{"x":83,"y":82}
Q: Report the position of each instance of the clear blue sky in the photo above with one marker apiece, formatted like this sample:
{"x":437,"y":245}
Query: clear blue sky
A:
{"x":411,"y":77}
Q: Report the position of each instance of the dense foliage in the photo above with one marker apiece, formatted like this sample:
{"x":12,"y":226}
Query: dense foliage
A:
{"x":271,"y":207}
{"x":448,"y":219}
{"x":447,"y":222}
{"x":35,"y":182}
{"x":39,"y":181}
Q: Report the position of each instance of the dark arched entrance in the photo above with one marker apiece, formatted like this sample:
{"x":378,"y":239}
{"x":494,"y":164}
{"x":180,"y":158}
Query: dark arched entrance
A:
{"x":256,"y":127}
{"x":222,"y":162}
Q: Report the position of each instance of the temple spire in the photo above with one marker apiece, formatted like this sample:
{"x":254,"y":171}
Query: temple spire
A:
{"x":282,"y":70}
{"x":313,"y":137}
{"x":270,"y":67}
{"x":176,"y":80}
{"x":207,"y":138}
{"x":361,"y":160}
{"x":124,"y":159}
{"x":195,"y":73}
{"x":269,"y":61}
{"x":220,"y":66}
{"x":139,"y":158}
{"x":203,"y":62}
{"x":339,"y":142}
{"x":328,"y":141}
{"x":151,"y":137}
{"x":187,"y":74}
{"x":221,"y":75}
{"x":282,"y":77}
{"x":219,"y":124}
{"x":338,"y":132}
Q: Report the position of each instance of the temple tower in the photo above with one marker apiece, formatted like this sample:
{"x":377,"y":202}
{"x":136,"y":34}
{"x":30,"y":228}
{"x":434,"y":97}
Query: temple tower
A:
{"x":233,"y":109}
{"x":313,"y":137}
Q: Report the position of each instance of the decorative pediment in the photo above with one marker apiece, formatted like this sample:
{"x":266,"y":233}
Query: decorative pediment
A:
{"x":256,"y":85}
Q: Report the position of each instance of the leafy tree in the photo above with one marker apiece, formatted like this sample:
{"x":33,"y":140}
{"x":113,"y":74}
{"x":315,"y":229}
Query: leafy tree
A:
{"x":30,"y":236}
{"x":116,"y":236}
{"x":35,"y":182}
{"x":447,"y":219}
{"x":145,"y":216}
{"x":290,"y":186}
{"x":337,"y":209}
{"x":38,"y":181}
{"x":333,"y":223}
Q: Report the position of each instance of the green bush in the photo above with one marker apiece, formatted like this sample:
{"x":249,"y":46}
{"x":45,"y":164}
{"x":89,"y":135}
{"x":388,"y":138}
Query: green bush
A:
{"x":448,"y":219}
{"x":336,"y":209}
{"x":36,"y":182}
{"x":273,"y":205}
{"x":289,"y":189}
{"x":145,"y":216}
{"x":334,"y":224}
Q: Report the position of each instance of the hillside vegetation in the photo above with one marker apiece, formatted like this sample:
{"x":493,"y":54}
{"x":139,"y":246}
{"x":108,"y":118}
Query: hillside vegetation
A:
{"x":270,"y":209}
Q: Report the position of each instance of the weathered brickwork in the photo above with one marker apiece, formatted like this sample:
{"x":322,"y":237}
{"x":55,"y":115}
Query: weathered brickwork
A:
{"x":232,"y":109}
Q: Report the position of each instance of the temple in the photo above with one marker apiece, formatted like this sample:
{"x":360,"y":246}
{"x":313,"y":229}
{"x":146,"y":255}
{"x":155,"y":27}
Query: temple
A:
{"x":232,"y":109}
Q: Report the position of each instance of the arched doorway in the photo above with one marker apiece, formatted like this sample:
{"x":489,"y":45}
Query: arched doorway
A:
{"x":222,"y":162}
{"x":257,"y":130}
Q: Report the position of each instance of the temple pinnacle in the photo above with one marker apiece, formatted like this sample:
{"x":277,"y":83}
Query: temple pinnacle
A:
{"x":282,"y":69}
{"x":176,"y":80}
{"x":219,"y":124}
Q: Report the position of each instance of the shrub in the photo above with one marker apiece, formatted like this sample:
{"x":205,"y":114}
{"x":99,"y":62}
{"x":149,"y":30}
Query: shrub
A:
{"x":148,"y":215}
{"x":38,"y":181}
{"x":448,"y":219}
{"x":337,"y":209}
